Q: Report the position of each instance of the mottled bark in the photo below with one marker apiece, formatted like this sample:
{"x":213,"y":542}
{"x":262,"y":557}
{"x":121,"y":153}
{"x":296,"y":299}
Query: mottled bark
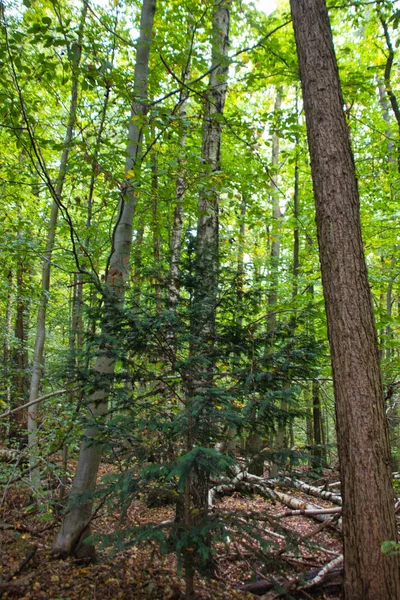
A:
{"x":75,"y":527}
{"x":364,"y":454}
{"x":206,"y":268}
{"x":180,"y":190}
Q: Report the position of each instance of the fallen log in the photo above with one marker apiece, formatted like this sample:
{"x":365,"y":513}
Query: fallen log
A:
{"x":312,"y":512}
{"x":274,"y":588}
{"x":314,"y":509}
{"x":311,"y":490}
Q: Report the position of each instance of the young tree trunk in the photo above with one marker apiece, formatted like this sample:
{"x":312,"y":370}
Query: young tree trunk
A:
{"x":75,"y":528}
{"x":51,"y":232}
{"x":364,"y":454}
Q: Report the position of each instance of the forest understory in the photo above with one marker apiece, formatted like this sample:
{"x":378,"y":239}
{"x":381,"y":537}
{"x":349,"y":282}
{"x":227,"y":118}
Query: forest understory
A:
{"x":244,"y":570}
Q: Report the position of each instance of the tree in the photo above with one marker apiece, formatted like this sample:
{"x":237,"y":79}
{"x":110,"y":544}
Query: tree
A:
{"x":368,"y":510}
{"x":75,"y":528}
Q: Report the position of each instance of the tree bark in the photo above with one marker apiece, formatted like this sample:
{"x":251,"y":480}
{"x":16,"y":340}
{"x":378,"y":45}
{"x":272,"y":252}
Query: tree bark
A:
{"x":364,"y":454}
{"x":75,"y":528}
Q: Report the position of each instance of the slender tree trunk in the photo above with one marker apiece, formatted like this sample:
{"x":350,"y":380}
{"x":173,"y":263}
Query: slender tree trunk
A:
{"x":177,"y":226}
{"x":317,"y":420}
{"x":76,"y":525}
{"x":203,"y":316}
{"x":309,"y":430}
{"x":137,"y":259}
{"x":156,"y":231}
{"x":7,"y":352}
{"x":51,"y":232}
{"x":272,"y":300}
{"x":364,"y":454}
{"x":18,"y":420}
{"x":387,"y":80}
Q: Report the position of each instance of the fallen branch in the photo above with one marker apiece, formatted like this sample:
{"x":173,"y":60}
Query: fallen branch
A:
{"x":32,"y":402}
{"x":312,"y":512}
{"x":22,"y":566}
{"x":315,"y":511}
{"x":271,"y":589}
{"x":323,"y":572}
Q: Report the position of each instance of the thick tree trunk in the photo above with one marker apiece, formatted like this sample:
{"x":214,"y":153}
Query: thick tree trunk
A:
{"x":368,"y":509}
{"x":51,"y":232}
{"x":75,"y":528}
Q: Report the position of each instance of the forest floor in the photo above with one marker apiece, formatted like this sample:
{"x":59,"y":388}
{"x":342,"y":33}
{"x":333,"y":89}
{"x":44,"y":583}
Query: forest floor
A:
{"x":28,"y":571}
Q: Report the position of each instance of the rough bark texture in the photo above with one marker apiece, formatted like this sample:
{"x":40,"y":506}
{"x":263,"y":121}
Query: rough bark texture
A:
{"x":368,"y":512}
{"x":75,"y":527}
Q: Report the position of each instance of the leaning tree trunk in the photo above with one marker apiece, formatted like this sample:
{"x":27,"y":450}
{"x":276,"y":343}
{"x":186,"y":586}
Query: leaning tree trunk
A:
{"x":51,"y":232}
{"x":75,"y":528}
{"x":364,"y":454}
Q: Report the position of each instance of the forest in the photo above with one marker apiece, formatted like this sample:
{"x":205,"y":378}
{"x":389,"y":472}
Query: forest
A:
{"x":199,"y":300}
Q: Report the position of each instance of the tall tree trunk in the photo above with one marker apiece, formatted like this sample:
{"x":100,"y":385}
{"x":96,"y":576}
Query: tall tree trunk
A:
{"x":51,"y":232}
{"x":173,"y":284}
{"x":364,"y":454}
{"x":203,"y":316}
{"x":272,"y":300}
{"x":75,"y":528}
